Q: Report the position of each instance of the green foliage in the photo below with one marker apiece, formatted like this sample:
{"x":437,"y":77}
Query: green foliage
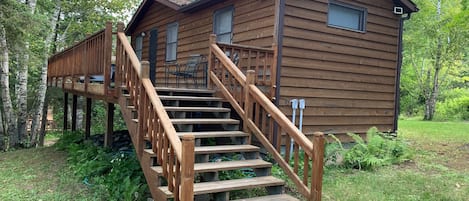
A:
{"x":377,"y":151}
{"x":434,"y":41}
{"x":117,"y":174}
{"x":454,"y":107}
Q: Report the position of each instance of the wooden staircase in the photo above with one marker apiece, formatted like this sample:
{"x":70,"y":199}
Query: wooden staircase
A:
{"x":219,"y":146}
{"x":187,"y":139}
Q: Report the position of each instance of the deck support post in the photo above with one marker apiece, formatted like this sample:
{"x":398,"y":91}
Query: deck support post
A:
{"x":88,"y":118}
{"x":318,"y":165}
{"x":65,"y":112}
{"x":74,"y":112}
{"x":109,"y":125}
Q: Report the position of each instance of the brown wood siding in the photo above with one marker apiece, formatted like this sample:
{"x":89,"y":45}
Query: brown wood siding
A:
{"x":253,"y":24}
{"x":347,"y":78}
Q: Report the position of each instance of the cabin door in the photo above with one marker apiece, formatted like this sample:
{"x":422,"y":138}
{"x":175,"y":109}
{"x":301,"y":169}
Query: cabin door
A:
{"x":152,"y":54}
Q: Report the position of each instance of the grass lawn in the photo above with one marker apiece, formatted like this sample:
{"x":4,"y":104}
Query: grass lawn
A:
{"x":439,"y":171}
{"x":39,"y":174}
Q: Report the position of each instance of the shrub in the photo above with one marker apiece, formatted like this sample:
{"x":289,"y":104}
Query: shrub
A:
{"x":454,"y":107}
{"x":378,"y":151}
{"x":117,"y":174}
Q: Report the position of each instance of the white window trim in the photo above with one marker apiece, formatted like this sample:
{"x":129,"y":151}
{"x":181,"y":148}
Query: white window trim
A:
{"x":176,"y":26}
{"x":363,"y":20}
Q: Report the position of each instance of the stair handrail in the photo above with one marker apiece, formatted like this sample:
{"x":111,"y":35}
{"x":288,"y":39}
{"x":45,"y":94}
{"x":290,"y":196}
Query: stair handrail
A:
{"x":154,"y":122}
{"x":257,"y":111}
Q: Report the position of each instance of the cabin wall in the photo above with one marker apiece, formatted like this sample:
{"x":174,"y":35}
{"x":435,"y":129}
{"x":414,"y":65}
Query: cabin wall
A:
{"x":347,"y":78}
{"x":253,"y":24}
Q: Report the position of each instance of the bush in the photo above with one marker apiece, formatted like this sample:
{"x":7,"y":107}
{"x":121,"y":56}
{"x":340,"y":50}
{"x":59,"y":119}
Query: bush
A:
{"x":378,"y":150}
{"x":455,"y":106}
{"x":117,"y":174}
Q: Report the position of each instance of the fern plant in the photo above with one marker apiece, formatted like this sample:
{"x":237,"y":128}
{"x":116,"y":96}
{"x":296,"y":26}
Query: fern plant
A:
{"x":377,"y":151}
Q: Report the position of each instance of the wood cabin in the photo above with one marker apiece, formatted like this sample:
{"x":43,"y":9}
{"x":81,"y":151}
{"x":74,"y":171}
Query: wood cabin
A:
{"x":342,"y":57}
{"x":225,"y":73}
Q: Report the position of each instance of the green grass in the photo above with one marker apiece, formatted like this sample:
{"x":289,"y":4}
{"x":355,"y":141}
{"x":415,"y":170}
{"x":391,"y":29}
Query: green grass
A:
{"x":429,"y":131}
{"x":39,"y":174}
{"x":439,"y":170}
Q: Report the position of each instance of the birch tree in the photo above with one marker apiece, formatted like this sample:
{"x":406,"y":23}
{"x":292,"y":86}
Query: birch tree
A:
{"x":435,"y":43}
{"x":40,"y":106}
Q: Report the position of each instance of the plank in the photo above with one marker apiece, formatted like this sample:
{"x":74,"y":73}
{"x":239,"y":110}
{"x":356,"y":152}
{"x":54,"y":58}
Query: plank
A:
{"x":225,"y":149}
{"x":231,"y":185}
{"x":215,"y":134}
{"x":281,"y":197}
{"x":222,"y":166}
{"x":204,"y":121}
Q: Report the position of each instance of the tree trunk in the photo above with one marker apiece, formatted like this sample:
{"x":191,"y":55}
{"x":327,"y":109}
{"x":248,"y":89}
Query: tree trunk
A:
{"x":8,"y":112}
{"x":431,"y":98}
{"x":43,"y":83}
{"x":22,"y":94}
{"x":2,"y":133}
{"x":42,"y":134}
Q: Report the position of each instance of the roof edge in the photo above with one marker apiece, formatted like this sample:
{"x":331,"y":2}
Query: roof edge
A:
{"x":410,"y":6}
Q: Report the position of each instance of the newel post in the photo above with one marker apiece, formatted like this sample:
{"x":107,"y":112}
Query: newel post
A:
{"x":250,"y":79}
{"x":318,"y":165}
{"x":187,"y":168}
{"x":210,"y":63}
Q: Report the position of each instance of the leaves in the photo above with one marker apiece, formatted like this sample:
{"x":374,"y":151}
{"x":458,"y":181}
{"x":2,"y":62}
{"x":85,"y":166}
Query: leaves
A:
{"x":435,"y":52}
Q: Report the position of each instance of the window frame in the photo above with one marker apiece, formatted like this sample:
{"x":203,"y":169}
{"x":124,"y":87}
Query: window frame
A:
{"x":215,"y":22}
{"x":168,"y":43}
{"x":362,"y":18}
{"x":139,"y":42}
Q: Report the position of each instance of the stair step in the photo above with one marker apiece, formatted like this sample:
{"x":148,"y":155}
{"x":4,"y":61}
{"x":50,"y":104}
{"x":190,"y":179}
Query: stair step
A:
{"x":217,"y":149}
{"x":197,"y":109}
{"x":230,"y":185}
{"x":223,"y":166}
{"x":281,"y":197}
{"x":214,"y":134}
{"x":186,"y":90}
{"x":204,"y":121}
{"x":190,"y":98}
{"x":225,"y":149}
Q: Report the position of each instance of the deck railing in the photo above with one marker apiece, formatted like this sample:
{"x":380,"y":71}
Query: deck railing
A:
{"x":175,"y":156}
{"x":91,"y":56}
{"x":262,"y":118}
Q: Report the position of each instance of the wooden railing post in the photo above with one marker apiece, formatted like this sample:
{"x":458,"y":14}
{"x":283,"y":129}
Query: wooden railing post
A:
{"x":119,"y":72}
{"x":142,"y":100}
{"x":212,"y":40}
{"x":318,"y":164}
{"x":250,"y":79}
{"x":107,"y":56}
{"x":187,"y":168}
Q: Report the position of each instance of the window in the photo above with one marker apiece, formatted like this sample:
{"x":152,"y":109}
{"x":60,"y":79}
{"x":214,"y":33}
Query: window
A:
{"x":171,"y":41}
{"x":139,"y":46}
{"x":346,"y":16}
{"x":223,"y":24}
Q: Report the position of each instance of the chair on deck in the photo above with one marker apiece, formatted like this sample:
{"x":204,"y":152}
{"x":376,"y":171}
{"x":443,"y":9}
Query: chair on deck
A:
{"x":187,"y":70}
